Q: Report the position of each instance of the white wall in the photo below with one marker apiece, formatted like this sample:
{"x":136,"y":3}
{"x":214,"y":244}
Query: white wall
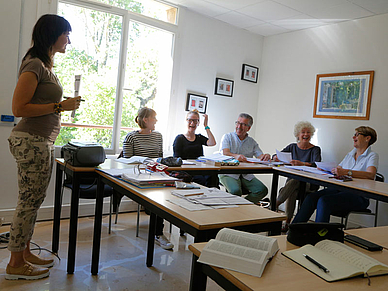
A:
{"x":290,"y":64}
{"x":9,"y":13}
{"x":204,"y":49}
{"x":207,"y":49}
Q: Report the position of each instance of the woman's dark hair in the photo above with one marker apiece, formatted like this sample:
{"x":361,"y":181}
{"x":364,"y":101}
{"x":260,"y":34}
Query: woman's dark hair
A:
{"x":46,"y":32}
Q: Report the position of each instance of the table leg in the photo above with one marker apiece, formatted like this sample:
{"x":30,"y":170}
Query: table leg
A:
{"x":214,"y":182}
{"x":197,"y":278}
{"x":57,"y":209}
{"x":97,"y":227}
{"x":301,"y":193}
{"x":274,"y":190}
{"x":151,"y":240}
{"x":73,"y":225}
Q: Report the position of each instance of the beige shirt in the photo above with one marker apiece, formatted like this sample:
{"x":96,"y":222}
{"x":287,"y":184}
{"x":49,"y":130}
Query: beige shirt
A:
{"x":47,"y":91}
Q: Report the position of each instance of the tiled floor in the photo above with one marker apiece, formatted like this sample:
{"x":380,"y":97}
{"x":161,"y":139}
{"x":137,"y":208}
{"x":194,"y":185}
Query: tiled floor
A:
{"x":122,"y":259}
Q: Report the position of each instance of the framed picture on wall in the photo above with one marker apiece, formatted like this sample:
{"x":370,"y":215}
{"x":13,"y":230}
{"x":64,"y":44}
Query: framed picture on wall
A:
{"x":224,"y":87}
{"x":249,"y":73}
{"x":195,"y":101}
{"x":343,"y":95}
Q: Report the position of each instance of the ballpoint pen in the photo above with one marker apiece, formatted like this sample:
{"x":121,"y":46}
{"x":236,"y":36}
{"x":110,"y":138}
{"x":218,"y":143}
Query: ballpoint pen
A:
{"x":320,"y":266}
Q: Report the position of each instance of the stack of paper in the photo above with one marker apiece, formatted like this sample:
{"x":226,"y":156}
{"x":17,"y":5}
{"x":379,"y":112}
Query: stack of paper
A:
{"x":212,"y":197}
{"x":133,"y":160}
{"x":148,"y":178}
{"x":309,"y":169}
{"x":217,"y":157}
{"x":255,"y":160}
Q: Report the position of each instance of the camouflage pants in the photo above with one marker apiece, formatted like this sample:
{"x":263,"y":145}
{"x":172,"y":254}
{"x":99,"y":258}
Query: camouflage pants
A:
{"x":34,"y":156}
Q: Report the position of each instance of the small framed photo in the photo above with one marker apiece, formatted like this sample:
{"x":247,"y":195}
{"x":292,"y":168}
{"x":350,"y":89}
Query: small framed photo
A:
{"x":224,"y":87}
{"x":249,"y":73}
{"x":196,"y":102}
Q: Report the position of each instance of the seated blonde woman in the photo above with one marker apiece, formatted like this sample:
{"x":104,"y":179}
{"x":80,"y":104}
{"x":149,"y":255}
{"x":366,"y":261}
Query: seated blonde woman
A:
{"x":303,"y":153}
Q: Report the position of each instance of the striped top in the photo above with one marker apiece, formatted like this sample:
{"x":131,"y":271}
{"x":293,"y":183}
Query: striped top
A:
{"x":145,"y":145}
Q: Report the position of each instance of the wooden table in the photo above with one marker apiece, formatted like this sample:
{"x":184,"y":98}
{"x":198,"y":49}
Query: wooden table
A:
{"x":203,"y":225}
{"x":77,"y":173}
{"x":364,"y":187}
{"x":283,"y":274}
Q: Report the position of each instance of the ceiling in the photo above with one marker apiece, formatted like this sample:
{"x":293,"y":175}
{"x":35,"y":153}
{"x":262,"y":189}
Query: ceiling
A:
{"x":271,"y":17}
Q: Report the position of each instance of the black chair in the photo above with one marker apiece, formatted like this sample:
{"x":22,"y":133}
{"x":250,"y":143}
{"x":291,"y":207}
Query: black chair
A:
{"x":88,"y":190}
{"x":345,"y":214}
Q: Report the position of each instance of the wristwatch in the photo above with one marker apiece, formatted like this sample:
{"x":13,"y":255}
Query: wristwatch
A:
{"x":350,"y":173}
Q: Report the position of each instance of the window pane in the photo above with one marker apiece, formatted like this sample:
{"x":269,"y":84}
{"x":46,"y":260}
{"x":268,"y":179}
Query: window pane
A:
{"x":147,"y":75}
{"x":94,"y":54}
{"x":148,"y":8}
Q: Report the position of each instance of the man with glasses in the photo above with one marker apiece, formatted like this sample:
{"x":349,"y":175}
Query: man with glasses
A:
{"x":241,"y":146}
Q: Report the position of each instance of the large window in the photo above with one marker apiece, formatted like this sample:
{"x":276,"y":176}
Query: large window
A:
{"x":125,"y":63}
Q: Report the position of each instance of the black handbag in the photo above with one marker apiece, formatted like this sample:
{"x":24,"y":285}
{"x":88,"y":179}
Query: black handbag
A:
{"x":304,"y":233}
{"x":170,"y":161}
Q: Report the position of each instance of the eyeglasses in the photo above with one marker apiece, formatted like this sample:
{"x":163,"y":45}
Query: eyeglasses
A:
{"x":359,"y":133}
{"x":195,"y":121}
{"x":241,"y":123}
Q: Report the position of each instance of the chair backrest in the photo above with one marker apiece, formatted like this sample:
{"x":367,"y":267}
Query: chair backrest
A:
{"x":379,"y":177}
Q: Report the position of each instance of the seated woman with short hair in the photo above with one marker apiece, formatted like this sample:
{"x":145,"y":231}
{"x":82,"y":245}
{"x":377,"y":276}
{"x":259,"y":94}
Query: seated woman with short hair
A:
{"x":303,"y":153}
{"x":360,"y":163}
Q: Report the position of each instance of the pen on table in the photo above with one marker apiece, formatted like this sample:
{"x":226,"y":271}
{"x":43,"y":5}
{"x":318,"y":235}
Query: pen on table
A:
{"x":316,"y":263}
{"x":72,"y":97}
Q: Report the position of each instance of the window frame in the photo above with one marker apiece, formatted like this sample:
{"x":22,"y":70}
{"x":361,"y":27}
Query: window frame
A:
{"x":127,"y":17}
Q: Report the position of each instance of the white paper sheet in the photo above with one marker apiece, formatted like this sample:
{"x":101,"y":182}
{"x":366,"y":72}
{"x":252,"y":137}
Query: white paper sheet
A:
{"x":284,"y":157}
{"x":326,"y":166}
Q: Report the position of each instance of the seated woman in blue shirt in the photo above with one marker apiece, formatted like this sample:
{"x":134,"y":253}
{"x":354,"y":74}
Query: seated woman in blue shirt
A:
{"x":360,"y":163}
{"x":303,"y":153}
{"x":189,"y":145}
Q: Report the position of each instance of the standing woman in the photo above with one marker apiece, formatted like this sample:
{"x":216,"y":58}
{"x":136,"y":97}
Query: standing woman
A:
{"x":147,"y":142}
{"x":189,"y":145}
{"x":37,"y":99}
{"x":303,"y":153}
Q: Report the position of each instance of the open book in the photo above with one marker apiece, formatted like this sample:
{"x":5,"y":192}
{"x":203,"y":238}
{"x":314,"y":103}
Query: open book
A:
{"x":340,"y":260}
{"x":239,"y":251}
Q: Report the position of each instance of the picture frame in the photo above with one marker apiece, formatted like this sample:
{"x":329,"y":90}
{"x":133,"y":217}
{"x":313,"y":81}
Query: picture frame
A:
{"x":195,"y":101}
{"x":343,"y":95}
{"x":224,"y":87}
{"x":249,"y":73}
